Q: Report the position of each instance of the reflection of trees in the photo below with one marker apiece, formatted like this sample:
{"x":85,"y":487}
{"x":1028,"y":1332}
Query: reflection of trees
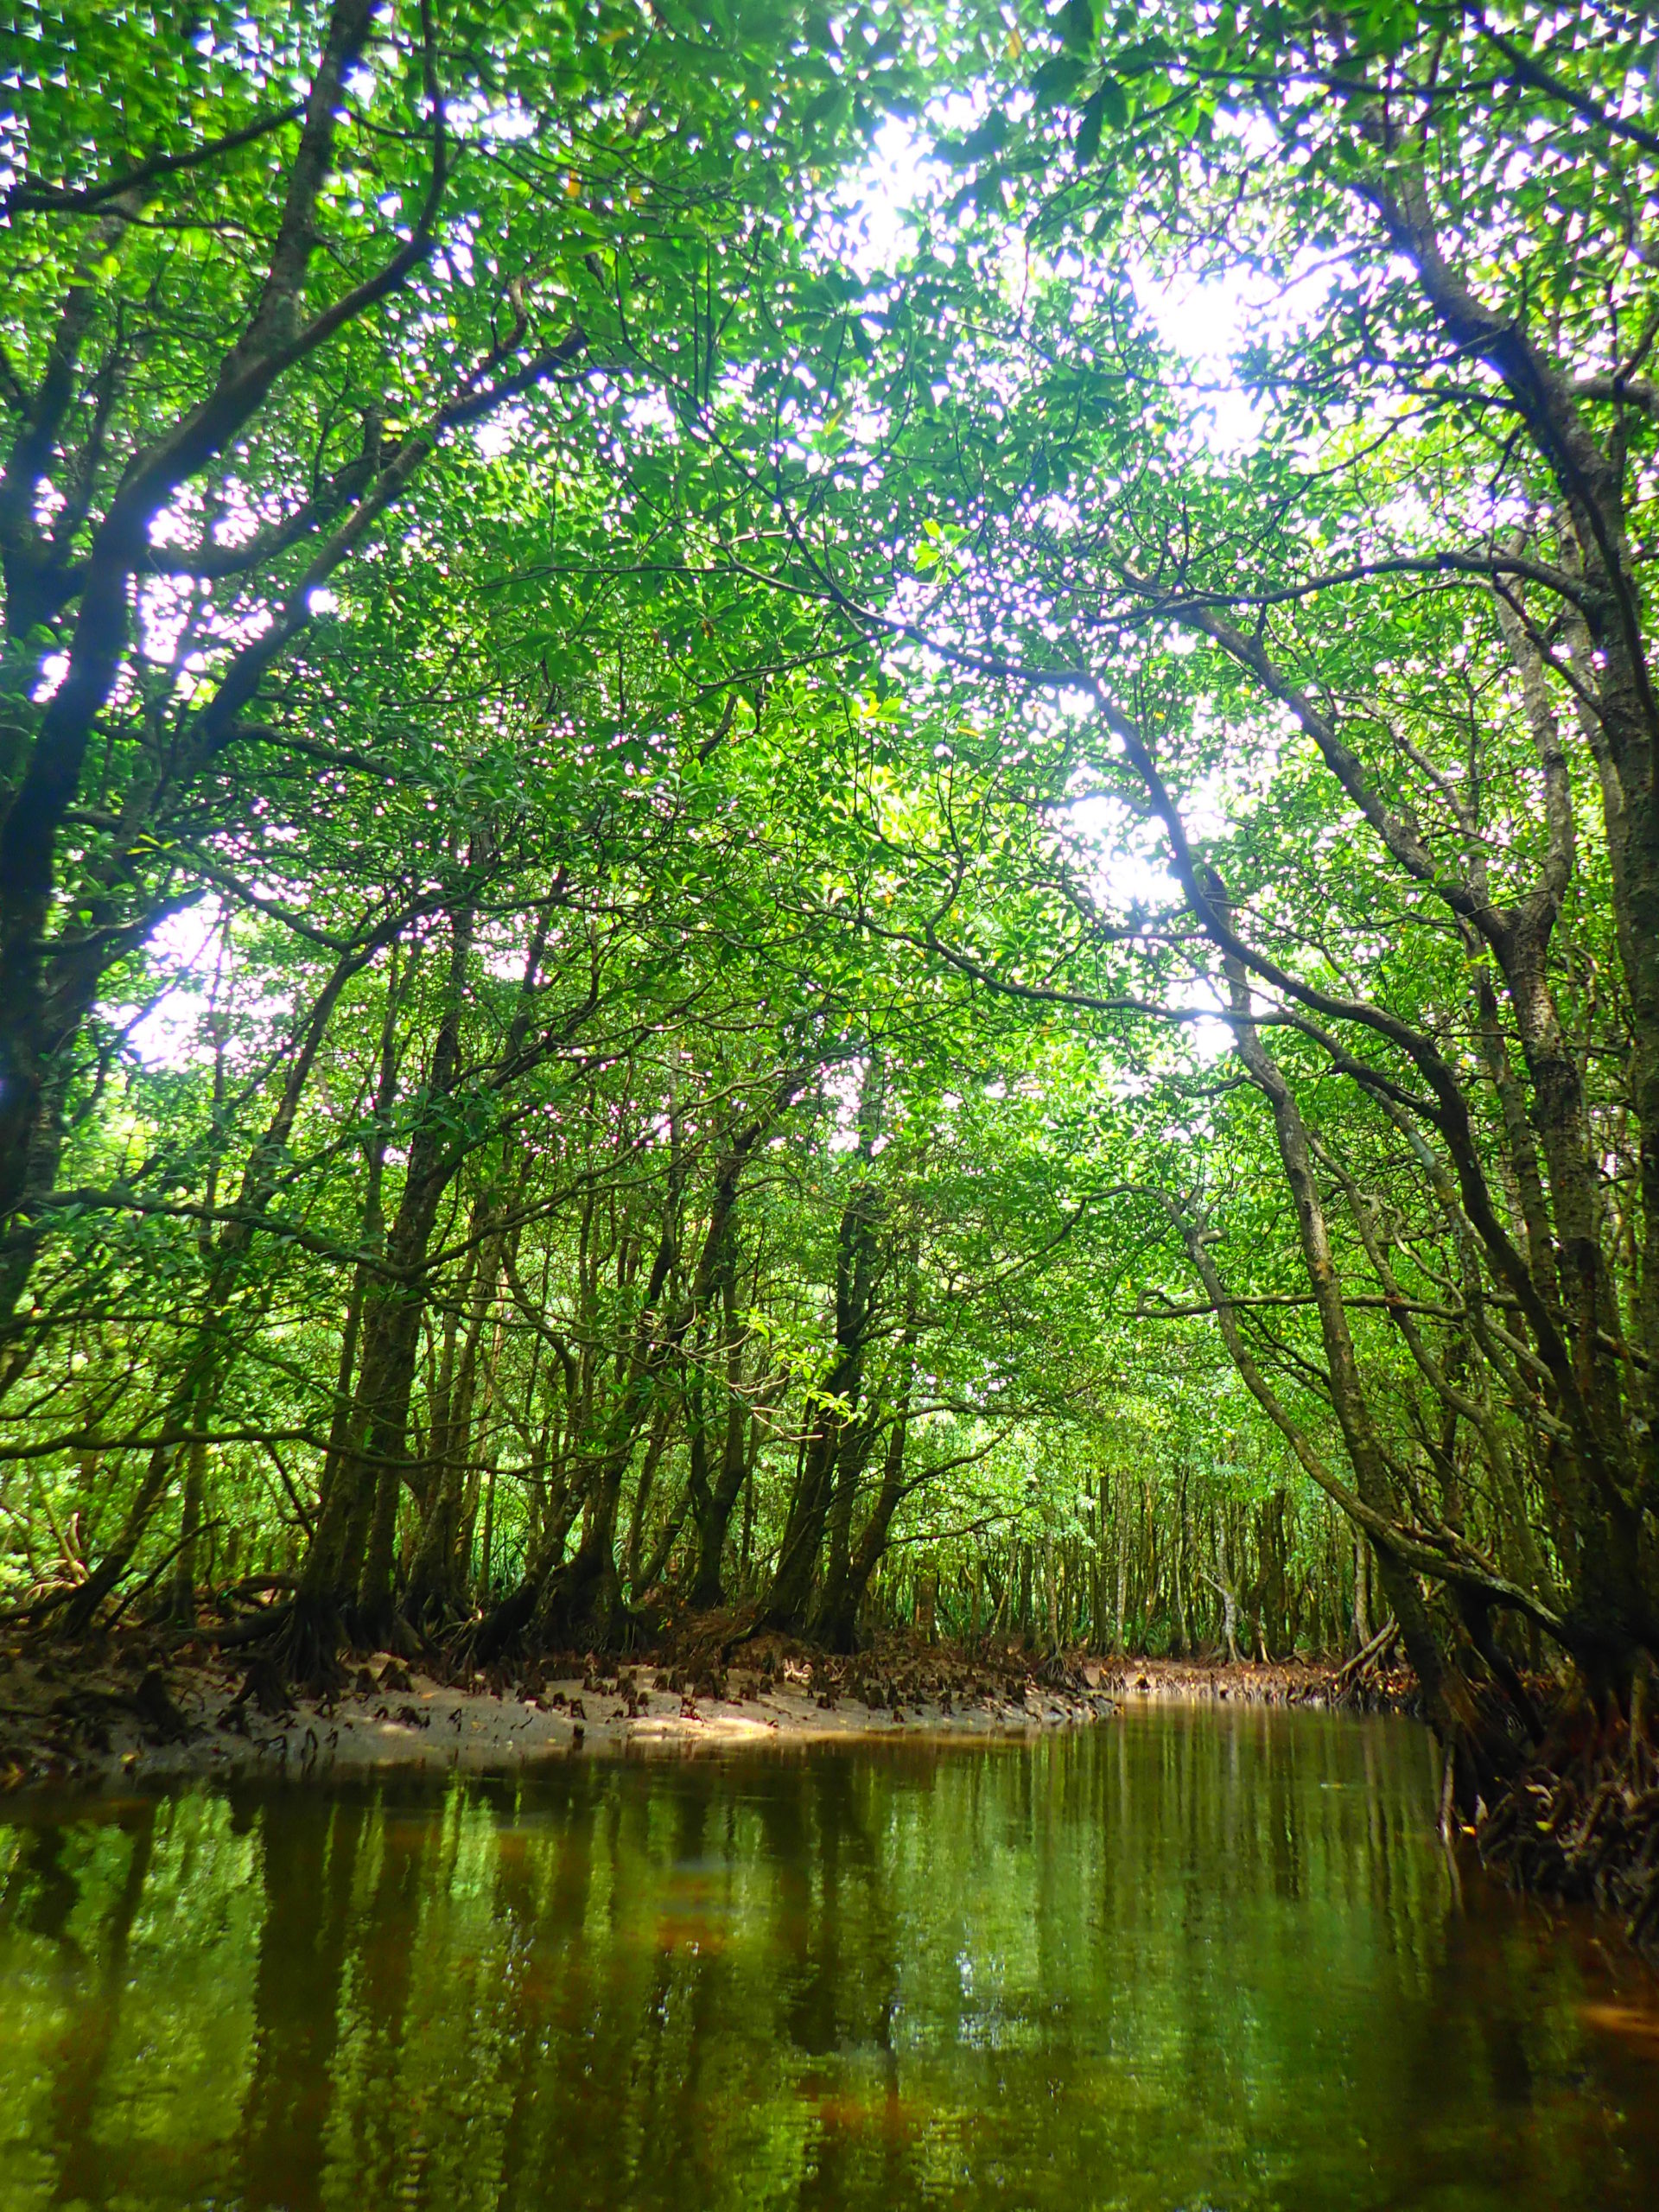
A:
{"x":1191,"y":1952}
{"x":385,"y":1855}
{"x":310,"y":1860}
{"x":83,"y":2049}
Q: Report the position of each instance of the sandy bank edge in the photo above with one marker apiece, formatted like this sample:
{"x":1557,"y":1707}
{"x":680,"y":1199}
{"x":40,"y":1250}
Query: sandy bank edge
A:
{"x":413,"y":1722}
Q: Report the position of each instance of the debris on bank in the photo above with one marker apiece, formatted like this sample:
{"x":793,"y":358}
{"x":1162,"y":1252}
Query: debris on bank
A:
{"x":1278,"y":1682}
{"x":143,"y":1706}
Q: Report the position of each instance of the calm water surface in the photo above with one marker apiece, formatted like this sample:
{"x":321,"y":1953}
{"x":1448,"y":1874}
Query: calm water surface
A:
{"x":1186,"y":1960}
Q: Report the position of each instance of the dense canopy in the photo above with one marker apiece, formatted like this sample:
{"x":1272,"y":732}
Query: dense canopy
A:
{"x":838,"y":810}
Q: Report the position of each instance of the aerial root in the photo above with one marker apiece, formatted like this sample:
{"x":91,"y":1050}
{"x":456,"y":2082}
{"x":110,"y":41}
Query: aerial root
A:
{"x":1584,"y":1827}
{"x":1368,"y":1670}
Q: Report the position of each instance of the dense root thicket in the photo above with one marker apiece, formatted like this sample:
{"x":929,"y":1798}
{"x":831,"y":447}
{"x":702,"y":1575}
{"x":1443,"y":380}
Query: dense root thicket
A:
{"x":1581,"y":1823}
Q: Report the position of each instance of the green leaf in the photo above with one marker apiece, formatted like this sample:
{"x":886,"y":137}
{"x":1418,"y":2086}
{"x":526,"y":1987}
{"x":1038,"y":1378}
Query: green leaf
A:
{"x":1058,"y":80}
{"x":1077,"y":25}
{"x":1088,"y":143}
{"x":1114,"y":106}
{"x":831,"y":105}
{"x":987,"y":137}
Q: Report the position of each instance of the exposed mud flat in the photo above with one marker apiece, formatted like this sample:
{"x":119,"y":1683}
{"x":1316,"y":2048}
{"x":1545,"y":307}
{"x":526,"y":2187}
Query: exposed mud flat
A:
{"x":130,"y":1713}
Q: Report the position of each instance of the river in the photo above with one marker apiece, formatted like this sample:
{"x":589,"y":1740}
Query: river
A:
{"x":1198,"y":1960}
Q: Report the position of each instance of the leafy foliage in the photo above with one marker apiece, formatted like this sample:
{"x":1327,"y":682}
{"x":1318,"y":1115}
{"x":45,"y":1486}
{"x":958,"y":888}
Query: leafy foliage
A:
{"x":710,"y":899}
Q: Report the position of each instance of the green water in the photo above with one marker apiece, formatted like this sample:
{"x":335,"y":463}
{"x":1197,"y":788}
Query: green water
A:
{"x":1183,"y":1960}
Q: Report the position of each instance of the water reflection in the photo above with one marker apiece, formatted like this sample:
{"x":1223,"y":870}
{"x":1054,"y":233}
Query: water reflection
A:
{"x":1185,"y":1959}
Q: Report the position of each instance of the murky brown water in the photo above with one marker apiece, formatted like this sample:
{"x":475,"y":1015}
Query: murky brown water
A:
{"x":1186,"y":1959}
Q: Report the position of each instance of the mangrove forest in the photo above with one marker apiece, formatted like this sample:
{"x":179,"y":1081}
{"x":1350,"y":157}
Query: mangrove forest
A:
{"x":828,"y":875}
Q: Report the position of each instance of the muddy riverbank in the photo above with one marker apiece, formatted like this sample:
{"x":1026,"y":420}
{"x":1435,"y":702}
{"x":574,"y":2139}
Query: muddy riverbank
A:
{"x":138,"y":1706}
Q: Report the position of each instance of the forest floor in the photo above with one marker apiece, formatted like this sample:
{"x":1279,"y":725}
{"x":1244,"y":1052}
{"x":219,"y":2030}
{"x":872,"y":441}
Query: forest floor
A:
{"x":147,"y":1704}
